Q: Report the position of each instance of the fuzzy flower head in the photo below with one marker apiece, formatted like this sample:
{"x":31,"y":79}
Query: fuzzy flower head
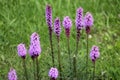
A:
{"x":21,"y":50}
{"x":57,"y":28}
{"x":49,"y":16}
{"x":67,"y":23}
{"x":88,"y":22}
{"x":12,"y":74}
{"x":79,"y":18}
{"x":53,"y":73}
{"x":35,"y":48}
{"x":94,"y":54}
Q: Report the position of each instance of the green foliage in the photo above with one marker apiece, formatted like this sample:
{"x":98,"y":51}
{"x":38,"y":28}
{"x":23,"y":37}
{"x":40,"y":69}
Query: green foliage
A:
{"x":20,"y":18}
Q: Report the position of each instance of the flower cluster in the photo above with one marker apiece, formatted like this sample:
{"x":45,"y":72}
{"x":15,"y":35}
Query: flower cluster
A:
{"x":12,"y":74}
{"x":67,"y":23}
{"x":21,"y":50}
{"x":94,"y":54}
{"x":53,"y":73}
{"x":57,"y":28}
{"x":79,"y":18}
{"x":35,"y":48}
{"x":49,"y":16}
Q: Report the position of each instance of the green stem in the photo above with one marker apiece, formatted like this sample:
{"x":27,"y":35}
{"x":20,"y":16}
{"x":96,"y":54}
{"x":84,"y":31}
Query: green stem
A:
{"x":25,"y":69}
{"x":74,"y":65}
{"x":87,"y":59}
{"x":37,"y":68}
{"x":59,"y":59}
{"x":94,"y":71}
{"x":34,"y":69}
{"x":51,"y":45}
{"x":68,"y":43}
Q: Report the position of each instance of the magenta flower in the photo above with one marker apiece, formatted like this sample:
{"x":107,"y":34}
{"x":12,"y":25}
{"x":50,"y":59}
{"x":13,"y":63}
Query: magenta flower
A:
{"x":79,"y":18}
{"x":57,"y":28}
{"x":21,"y":50}
{"x":49,"y":16}
{"x":67,"y":23}
{"x":35,"y":48}
{"x":12,"y":74}
{"x":53,"y":73}
{"x":88,"y":21}
{"x":94,"y":54}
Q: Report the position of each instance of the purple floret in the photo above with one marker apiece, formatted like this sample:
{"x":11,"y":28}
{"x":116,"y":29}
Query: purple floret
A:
{"x":94,"y":54}
{"x":12,"y":74}
{"x":21,"y":50}
{"x":79,"y":18}
{"x":53,"y":73}
{"x":57,"y":28}
{"x":49,"y":16}
{"x":35,"y":48}
{"x":67,"y":23}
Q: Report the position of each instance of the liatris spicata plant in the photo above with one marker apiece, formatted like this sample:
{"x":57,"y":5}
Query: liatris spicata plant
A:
{"x":34,"y":51}
{"x":22,"y":53}
{"x":49,"y":23}
{"x":88,"y":23}
{"x":57,"y":30}
{"x":53,"y":73}
{"x":94,"y":55}
{"x":79,"y":26}
{"x":67,"y":23}
{"x":12,"y":74}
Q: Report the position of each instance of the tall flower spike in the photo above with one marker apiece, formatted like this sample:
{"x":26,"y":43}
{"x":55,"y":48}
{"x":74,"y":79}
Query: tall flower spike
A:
{"x":53,"y":73}
{"x":79,"y":18}
{"x":21,"y":50}
{"x":88,"y":21}
{"x":12,"y":74}
{"x":35,"y":48}
{"x":67,"y":23}
{"x":94,"y":54}
{"x":49,"y":16}
{"x":57,"y":28}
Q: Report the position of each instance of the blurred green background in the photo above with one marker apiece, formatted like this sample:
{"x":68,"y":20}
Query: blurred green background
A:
{"x":20,"y":18}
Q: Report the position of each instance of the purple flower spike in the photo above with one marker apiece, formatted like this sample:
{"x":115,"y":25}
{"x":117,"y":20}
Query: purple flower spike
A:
{"x":21,"y":50}
{"x":49,"y":16}
{"x":67,"y":23}
{"x":35,"y":48}
{"x":79,"y":18}
{"x":12,"y":74}
{"x":57,"y":28}
{"x":88,"y":22}
{"x":53,"y":73}
{"x":94,"y":54}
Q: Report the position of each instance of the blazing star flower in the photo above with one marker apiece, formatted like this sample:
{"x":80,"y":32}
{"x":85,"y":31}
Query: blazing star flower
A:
{"x":49,"y":16}
{"x":12,"y":74}
{"x":35,"y":48}
{"x":88,"y":21}
{"x":79,"y":18}
{"x":94,"y":54}
{"x":21,"y":50}
{"x":53,"y":73}
{"x":57,"y":28}
{"x":67,"y":23}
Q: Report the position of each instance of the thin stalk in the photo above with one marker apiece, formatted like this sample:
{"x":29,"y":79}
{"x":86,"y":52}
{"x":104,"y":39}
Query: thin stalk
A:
{"x":25,"y":69}
{"x":93,"y":71}
{"x":51,"y":45}
{"x":52,"y":79}
{"x":68,"y":43}
{"x":59,"y":59}
{"x":34,"y":69}
{"x":37,"y":68}
{"x":74,"y":65}
{"x":87,"y":59}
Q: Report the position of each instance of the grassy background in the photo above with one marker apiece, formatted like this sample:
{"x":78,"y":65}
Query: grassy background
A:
{"x":20,"y":18}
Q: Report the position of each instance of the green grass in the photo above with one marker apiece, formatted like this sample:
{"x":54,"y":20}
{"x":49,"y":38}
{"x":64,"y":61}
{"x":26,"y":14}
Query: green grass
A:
{"x":20,"y":18}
